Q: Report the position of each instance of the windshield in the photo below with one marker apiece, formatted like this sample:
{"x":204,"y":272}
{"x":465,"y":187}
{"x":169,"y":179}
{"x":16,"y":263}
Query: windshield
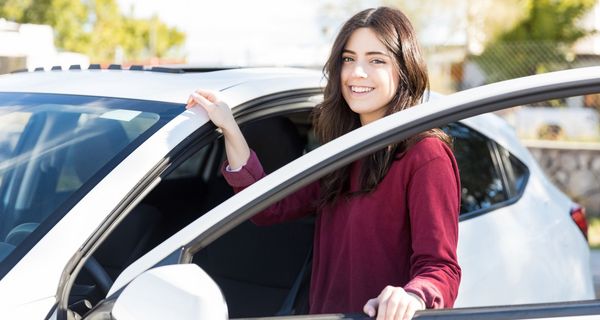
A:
{"x":55,"y":148}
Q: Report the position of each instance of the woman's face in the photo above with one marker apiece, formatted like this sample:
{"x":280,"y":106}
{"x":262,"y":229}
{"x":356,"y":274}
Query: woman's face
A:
{"x":369,"y":78}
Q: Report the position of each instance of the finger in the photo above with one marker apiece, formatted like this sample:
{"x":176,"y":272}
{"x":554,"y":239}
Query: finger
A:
{"x":370,"y":307}
{"x":396,"y":305}
{"x":400,"y":308}
{"x":209,"y":95}
{"x":383,"y":301}
{"x":410,"y":312}
{"x":190,"y":102}
{"x":199,"y":99}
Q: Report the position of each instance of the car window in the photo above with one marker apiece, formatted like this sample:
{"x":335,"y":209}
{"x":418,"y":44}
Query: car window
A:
{"x":518,"y":172}
{"x":53,"y":148}
{"x":481,"y":181}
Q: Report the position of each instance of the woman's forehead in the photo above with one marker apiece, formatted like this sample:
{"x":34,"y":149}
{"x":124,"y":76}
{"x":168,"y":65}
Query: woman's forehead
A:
{"x":365,"y":40}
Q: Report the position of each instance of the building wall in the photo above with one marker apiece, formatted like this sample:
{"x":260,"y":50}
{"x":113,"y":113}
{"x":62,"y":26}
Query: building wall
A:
{"x":29,"y":46}
{"x":575,"y":169}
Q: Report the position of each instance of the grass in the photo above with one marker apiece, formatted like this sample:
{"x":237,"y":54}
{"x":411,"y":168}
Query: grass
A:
{"x":594,"y":232}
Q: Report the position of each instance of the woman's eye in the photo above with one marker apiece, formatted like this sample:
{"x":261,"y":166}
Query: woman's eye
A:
{"x":347,"y":59}
{"x":378,"y":61}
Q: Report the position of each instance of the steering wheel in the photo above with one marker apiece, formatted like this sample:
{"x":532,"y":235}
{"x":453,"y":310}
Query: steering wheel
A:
{"x":98,"y":274}
{"x":21,"y":231}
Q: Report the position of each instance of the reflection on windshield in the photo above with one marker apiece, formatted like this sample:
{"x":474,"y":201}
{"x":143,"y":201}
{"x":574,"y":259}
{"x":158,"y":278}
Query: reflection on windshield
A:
{"x":48,"y":152}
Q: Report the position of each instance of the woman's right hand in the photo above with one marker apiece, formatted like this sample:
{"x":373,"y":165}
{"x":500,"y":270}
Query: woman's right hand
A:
{"x":220,"y":114}
{"x":217,"y":110}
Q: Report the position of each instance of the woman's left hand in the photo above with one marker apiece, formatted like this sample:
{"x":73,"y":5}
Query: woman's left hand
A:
{"x":393,"y":303}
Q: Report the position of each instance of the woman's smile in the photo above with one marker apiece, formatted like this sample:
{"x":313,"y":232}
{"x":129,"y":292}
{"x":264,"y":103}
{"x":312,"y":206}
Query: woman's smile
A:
{"x":360,"y":90}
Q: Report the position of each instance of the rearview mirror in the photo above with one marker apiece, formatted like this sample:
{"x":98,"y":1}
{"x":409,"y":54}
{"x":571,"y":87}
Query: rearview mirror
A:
{"x":182,"y":291}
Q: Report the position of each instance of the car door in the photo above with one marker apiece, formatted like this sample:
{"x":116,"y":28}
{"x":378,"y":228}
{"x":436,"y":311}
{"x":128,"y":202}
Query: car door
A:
{"x":192,"y":239}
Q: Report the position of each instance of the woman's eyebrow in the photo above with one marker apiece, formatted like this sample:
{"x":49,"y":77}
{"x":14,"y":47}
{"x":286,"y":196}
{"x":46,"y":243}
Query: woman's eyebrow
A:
{"x":370,"y":53}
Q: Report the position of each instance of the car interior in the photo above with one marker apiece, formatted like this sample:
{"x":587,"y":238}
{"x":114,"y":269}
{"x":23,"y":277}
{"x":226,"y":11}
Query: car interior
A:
{"x":255,"y":267}
{"x":261,"y":271}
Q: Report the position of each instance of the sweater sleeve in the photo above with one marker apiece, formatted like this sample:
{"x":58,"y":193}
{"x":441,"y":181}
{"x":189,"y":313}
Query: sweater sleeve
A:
{"x":434,"y":204}
{"x":297,"y":205}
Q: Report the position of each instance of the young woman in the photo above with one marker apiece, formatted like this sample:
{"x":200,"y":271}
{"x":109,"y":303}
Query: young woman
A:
{"x":387,"y":225}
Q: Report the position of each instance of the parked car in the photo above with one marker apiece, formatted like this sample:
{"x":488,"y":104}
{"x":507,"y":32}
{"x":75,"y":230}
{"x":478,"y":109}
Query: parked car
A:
{"x":112,"y":197}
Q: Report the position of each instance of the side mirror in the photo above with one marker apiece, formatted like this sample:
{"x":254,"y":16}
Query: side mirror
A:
{"x":181,"y":291}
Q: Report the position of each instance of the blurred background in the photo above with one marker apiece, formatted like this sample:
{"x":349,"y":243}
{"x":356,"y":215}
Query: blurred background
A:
{"x":467,"y":43}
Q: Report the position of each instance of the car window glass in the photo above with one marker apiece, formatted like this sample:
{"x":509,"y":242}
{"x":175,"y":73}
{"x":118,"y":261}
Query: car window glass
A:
{"x":481,"y":183}
{"x":9,"y":133}
{"x":190,"y":167}
{"x":51,"y":147}
{"x":519,"y":173}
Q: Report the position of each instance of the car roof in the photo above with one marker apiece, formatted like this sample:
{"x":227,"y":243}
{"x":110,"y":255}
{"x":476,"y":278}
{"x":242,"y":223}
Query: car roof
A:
{"x":162,"y":86}
{"x":239,"y":85}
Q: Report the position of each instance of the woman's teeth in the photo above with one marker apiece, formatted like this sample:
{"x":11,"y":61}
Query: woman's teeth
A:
{"x":361,"y":89}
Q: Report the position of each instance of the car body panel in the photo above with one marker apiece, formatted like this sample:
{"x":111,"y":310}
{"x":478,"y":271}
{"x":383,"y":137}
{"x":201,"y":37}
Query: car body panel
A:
{"x":167,"y":87}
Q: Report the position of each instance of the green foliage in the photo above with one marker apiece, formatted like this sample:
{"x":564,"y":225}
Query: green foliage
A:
{"x":96,"y":28}
{"x":538,"y":43}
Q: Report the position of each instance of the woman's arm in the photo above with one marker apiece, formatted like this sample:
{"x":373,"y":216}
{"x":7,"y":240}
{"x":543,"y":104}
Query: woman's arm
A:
{"x":434,"y":204}
{"x":244,"y":166}
{"x":220,"y":114}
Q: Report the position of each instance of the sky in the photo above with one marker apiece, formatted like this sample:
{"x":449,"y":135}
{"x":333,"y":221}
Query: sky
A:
{"x":242,"y":32}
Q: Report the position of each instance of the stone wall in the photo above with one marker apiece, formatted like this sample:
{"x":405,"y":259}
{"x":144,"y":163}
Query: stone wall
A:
{"x":574,"y":168}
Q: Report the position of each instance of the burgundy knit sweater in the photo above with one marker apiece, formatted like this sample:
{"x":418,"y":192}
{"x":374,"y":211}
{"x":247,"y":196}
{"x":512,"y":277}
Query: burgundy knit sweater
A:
{"x":403,"y":234}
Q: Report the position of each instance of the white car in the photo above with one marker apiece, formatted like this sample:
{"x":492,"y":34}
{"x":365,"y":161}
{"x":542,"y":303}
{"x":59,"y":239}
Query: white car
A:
{"x":112,"y":198}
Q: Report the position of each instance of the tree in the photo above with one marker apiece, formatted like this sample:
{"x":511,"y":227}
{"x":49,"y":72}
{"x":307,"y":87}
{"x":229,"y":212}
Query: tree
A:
{"x":538,"y":43}
{"x":96,"y":28}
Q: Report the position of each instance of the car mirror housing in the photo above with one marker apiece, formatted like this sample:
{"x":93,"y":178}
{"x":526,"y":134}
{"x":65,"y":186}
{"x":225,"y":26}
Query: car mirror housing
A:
{"x":182,"y":291}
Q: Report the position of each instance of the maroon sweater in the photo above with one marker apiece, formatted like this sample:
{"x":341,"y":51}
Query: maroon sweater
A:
{"x":403,"y":234}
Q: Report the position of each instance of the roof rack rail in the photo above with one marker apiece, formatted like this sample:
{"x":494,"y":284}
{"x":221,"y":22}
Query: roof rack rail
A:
{"x":115,"y":67}
{"x":167,"y":70}
{"x":75,"y":67}
{"x":94,"y":66}
{"x":188,"y":68}
{"x":19,"y":71}
{"x":207,"y":69}
{"x":56,"y":68}
{"x":136,"y":67}
{"x":38,"y":69}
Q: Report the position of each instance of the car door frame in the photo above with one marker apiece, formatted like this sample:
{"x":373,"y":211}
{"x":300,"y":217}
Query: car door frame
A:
{"x":350,"y":147}
{"x":270,"y":105}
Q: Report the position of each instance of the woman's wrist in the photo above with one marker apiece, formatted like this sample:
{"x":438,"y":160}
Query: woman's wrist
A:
{"x":230,"y":129}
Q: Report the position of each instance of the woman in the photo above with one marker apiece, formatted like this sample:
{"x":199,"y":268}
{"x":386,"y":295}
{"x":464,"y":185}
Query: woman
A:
{"x":387,"y":225}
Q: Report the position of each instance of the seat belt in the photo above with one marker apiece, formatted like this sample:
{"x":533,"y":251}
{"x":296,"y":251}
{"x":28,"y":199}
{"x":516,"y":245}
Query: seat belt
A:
{"x":288,"y":304}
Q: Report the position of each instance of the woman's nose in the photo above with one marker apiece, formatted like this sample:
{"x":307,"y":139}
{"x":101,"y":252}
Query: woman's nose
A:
{"x":359,"y":71}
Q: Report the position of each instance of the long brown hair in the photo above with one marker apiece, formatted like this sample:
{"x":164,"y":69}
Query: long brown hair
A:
{"x":333,"y":117}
